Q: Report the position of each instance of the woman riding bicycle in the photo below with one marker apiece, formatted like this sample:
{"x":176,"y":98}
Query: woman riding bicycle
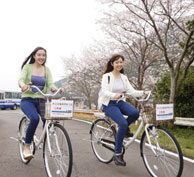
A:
{"x":114,"y":84}
{"x":33,"y":103}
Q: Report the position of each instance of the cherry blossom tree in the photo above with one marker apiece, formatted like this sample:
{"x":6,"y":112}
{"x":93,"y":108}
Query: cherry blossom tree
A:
{"x":165,"y":20}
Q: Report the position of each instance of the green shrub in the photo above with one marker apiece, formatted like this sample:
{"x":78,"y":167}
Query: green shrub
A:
{"x":184,"y":100}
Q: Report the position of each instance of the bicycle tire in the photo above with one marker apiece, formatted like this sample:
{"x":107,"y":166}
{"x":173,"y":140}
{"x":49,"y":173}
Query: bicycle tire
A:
{"x":168,"y":160}
{"x":103,"y":140}
{"x":59,"y":161}
{"x":21,"y":139}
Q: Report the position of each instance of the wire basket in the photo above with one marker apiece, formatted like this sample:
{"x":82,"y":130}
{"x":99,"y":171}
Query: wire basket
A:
{"x":59,"y":109}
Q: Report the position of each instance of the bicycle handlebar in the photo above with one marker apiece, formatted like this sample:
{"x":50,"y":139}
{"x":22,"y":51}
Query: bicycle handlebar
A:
{"x":44,"y":94}
{"x":135,"y":98}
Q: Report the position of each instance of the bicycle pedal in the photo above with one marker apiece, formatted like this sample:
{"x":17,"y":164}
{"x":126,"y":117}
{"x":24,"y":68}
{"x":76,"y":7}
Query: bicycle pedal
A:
{"x":125,"y":140}
{"x":40,"y":146}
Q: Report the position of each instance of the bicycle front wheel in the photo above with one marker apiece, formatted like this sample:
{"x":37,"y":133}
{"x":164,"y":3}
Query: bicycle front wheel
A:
{"x":57,"y":152}
{"x":164,"y":157}
{"x":103,"y":140}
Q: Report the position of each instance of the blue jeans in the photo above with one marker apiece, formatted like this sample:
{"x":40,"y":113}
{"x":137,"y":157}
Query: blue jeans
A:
{"x":116,"y":111}
{"x":31,"y":108}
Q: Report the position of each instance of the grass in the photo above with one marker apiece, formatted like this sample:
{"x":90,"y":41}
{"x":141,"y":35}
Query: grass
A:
{"x":84,"y":116}
{"x":184,"y":135}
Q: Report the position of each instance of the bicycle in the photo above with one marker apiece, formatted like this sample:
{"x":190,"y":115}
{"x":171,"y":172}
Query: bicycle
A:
{"x":161,"y":153}
{"x":57,"y":149}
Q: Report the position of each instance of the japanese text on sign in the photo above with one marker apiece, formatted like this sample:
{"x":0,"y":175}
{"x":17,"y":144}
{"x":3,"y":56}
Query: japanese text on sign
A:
{"x":61,"y":108}
{"x":164,"y":111}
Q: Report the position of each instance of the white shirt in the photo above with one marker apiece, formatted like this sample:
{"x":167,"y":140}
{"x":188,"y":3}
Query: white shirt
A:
{"x":118,"y":86}
{"x":107,"y":87}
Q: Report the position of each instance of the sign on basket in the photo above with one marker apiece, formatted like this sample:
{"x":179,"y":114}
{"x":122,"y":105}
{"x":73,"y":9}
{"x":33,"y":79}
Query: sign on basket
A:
{"x":164,"y":111}
{"x":61,"y":108}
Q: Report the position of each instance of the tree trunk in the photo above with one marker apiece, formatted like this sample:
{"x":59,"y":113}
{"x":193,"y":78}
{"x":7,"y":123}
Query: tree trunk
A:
{"x":173,"y":87}
{"x":172,"y":96}
{"x":89,"y":103}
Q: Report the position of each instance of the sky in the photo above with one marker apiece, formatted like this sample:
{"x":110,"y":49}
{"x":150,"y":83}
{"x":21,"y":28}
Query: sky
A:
{"x":62,"y":27}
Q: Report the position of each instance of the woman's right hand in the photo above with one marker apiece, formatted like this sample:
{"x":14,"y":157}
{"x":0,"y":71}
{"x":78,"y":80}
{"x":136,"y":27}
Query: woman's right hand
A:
{"x":24,"y":88}
{"x":117,"y":96}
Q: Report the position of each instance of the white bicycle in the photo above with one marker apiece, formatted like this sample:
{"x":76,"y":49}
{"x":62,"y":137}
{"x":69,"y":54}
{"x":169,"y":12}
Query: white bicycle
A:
{"x":57,"y":149}
{"x":159,"y":149}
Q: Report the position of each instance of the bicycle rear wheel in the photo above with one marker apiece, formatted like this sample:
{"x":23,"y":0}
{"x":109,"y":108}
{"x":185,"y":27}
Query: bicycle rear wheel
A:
{"x":167,"y":161}
{"x":103,"y":140}
{"x":57,"y":152}
{"x":21,"y":137}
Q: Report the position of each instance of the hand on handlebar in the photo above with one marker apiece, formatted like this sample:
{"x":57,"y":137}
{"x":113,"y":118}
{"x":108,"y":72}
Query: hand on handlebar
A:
{"x":25,"y":88}
{"x":118,"y":96}
{"x":62,"y":91}
{"x":55,"y":89}
{"x":145,"y":92}
{"x":146,"y":96}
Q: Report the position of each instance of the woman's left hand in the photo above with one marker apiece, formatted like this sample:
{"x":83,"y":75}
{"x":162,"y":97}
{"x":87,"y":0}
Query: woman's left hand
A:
{"x":145,"y":92}
{"x":54,"y":89}
{"x":62,"y":91}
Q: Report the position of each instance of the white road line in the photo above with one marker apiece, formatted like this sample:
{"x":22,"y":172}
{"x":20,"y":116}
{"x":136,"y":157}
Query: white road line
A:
{"x":85,"y":121}
{"x":13,"y":138}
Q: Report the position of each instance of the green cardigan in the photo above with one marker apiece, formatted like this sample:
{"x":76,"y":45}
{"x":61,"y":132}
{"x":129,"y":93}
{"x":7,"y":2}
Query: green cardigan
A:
{"x":26,"y":75}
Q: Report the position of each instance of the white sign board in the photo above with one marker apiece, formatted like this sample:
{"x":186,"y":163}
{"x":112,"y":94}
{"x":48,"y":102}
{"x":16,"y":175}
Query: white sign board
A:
{"x":164,"y":111}
{"x":61,"y":108}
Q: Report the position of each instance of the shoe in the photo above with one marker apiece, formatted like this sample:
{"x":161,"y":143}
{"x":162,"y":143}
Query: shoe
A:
{"x":27,"y":156}
{"x":118,"y":159}
{"x":128,"y":133}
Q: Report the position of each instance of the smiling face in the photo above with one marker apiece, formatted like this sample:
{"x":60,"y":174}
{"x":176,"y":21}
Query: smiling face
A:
{"x":118,"y":65}
{"x":40,"y":57}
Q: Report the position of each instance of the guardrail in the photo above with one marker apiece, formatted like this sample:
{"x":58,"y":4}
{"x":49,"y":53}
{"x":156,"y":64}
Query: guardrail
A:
{"x":184,"y":121}
{"x":178,"y":120}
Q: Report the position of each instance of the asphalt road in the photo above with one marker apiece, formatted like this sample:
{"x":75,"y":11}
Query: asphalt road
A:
{"x":85,"y":163}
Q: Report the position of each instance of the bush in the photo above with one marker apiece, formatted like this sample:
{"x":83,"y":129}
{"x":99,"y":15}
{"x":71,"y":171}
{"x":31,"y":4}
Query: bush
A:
{"x":184,"y":101}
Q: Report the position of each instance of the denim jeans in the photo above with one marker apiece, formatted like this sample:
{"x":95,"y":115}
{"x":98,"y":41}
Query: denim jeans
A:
{"x":31,"y":108}
{"x":116,"y":111}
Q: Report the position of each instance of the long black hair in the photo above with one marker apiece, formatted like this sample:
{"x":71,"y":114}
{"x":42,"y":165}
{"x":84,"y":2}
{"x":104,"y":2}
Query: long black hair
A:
{"x":31,"y":56}
{"x":109,"y":66}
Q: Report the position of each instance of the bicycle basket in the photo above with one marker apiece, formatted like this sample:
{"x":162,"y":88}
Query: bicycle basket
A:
{"x":58,"y":109}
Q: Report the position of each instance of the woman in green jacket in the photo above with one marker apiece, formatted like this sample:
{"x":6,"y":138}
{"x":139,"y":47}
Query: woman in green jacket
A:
{"x":33,"y":103}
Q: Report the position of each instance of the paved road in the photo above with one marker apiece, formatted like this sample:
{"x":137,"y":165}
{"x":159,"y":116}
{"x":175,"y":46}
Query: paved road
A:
{"x":85,"y":163}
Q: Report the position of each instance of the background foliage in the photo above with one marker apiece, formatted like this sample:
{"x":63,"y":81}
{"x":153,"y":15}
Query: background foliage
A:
{"x":184,"y":104}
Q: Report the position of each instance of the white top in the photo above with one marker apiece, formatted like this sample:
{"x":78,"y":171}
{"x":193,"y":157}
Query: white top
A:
{"x":107,"y":88}
{"x":118,"y":86}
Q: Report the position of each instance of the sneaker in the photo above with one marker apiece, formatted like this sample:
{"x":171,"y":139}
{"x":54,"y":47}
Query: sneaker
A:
{"x":128,"y":133}
{"x":118,"y":159}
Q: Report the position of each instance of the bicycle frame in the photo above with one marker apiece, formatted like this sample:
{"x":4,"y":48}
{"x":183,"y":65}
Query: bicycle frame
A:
{"x":45,"y":130}
{"x":42,"y":136}
{"x":128,"y":142}
{"x":47,"y":122}
{"x":144,"y":121}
